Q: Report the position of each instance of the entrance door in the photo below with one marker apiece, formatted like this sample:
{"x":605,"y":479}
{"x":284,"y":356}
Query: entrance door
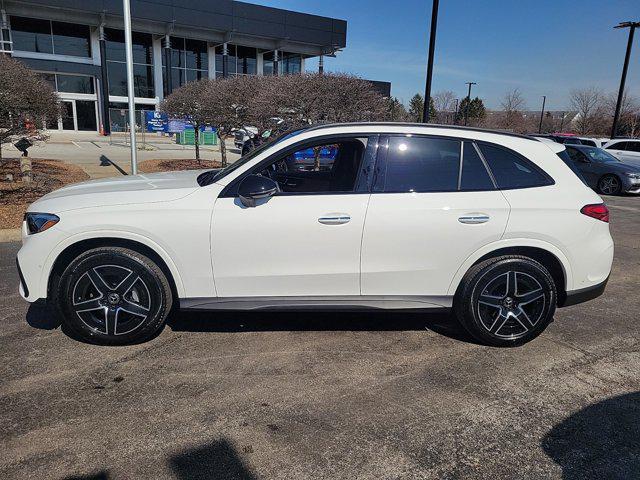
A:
{"x":303,"y":241}
{"x":86,"y":115}
{"x":68,"y":117}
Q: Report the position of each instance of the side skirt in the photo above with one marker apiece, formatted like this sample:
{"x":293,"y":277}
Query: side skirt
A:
{"x":340,"y":303}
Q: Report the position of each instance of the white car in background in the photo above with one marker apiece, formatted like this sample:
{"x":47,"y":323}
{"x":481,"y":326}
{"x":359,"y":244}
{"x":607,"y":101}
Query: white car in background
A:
{"x":625,"y":149}
{"x":493,"y":226}
{"x":594,"y":142}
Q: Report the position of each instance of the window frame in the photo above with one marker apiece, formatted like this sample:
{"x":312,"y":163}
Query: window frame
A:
{"x":360,"y":187}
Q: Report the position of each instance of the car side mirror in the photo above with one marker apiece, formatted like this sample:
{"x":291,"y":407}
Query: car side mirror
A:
{"x":256,"y":187}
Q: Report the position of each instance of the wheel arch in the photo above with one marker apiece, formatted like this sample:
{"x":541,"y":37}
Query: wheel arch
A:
{"x":153,"y":252}
{"x":547,"y":255}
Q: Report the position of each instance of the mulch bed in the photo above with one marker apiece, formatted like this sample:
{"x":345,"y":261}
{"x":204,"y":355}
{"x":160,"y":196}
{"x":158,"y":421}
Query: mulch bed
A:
{"x":15,"y":196}
{"x":153,"y":166}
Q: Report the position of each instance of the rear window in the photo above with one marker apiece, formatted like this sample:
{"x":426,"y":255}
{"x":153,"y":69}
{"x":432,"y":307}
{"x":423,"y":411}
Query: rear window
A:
{"x":512,"y":170}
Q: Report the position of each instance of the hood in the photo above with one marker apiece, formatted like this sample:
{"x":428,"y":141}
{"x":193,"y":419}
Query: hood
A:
{"x":624,"y":167}
{"x":145,"y":188}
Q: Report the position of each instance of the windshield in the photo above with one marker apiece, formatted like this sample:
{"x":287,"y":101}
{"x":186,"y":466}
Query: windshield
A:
{"x":207,"y":178}
{"x":599,"y":155}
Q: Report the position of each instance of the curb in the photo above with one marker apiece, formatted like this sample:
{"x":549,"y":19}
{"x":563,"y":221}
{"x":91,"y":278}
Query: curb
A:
{"x":10,"y":235}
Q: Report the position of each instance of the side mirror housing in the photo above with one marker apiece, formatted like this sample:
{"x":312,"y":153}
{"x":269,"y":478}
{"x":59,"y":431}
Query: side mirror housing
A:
{"x":256,"y":187}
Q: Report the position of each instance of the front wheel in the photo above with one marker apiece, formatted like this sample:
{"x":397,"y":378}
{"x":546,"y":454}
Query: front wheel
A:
{"x":113,"y":295}
{"x":506,"y":301}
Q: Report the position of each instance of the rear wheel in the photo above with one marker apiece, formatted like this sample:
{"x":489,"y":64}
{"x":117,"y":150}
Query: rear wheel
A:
{"x":113,"y":295}
{"x":506,"y":301}
{"x":610,"y":185}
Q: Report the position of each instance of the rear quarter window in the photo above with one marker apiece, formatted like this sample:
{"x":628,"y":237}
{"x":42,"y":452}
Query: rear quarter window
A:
{"x":512,"y":170}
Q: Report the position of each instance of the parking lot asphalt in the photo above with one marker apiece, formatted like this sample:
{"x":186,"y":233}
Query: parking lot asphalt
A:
{"x":328,"y":395}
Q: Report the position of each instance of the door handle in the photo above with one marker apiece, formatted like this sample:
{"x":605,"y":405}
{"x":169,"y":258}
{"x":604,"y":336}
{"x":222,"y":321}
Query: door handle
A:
{"x":335,"y":219}
{"x":474,"y":219}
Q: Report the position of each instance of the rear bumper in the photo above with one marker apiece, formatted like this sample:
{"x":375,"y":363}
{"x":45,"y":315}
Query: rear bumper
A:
{"x":584,"y":294}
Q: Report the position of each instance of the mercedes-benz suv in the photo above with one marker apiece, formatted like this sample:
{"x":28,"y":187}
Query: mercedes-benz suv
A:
{"x":493,"y":226}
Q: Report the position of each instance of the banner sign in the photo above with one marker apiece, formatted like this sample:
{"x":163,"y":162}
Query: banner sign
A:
{"x":156,"y":121}
{"x":176,"y":125}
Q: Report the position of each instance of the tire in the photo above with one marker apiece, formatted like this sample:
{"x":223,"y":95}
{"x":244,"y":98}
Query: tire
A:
{"x":609,"y":185}
{"x":113,"y":296}
{"x":497,"y":313}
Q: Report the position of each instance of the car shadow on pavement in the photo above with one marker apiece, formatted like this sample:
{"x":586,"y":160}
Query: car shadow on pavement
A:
{"x":599,"y":441}
{"x":42,"y":316}
{"x":227,"y":321}
{"x":217,"y":460}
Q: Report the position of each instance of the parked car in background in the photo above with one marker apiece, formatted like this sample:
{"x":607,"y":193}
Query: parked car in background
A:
{"x":243,"y":135}
{"x":603,"y":172}
{"x":493,"y":226}
{"x":625,"y":149}
{"x":565,"y":139}
{"x":593,"y":142}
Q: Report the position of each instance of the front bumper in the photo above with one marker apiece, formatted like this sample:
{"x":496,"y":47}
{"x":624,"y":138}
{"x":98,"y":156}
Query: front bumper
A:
{"x":630,"y":185}
{"x":582,"y":295}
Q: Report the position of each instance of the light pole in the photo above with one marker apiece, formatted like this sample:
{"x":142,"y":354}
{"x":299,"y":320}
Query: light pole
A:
{"x":455,"y":113}
{"x":130,"y":92}
{"x":562,"y":120}
{"x":632,"y":27}
{"x":544,"y":100}
{"x":432,"y":48}
{"x":466,"y":110}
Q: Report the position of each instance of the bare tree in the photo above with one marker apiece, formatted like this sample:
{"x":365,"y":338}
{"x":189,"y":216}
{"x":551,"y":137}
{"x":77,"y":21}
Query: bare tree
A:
{"x":588,"y":103}
{"x":629,"y":112}
{"x":511,"y":117}
{"x":27,"y":104}
{"x":444,"y":103}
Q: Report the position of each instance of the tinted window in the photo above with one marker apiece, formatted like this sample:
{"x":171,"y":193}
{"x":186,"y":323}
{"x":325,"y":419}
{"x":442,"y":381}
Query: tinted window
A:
{"x":591,"y":143}
{"x":416,"y":164}
{"x":511,"y":170}
{"x":574,"y":154}
{"x":31,"y":35}
{"x":618,"y":146}
{"x":633,"y":146}
{"x":474,"y":173}
{"x":75,"y":84}
{"x":71,"y":39}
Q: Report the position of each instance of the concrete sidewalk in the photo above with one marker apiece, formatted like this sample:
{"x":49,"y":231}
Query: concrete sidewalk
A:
{"x":91,"y":151}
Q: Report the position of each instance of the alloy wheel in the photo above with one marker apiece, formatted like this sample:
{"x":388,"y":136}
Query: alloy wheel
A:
{"x":511,"y":304}
{"x":111,"y":299}
{"x":609,"y":185}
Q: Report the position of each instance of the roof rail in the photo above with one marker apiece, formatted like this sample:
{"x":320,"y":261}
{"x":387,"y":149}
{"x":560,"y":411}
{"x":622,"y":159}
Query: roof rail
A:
{"x":426,"y":125}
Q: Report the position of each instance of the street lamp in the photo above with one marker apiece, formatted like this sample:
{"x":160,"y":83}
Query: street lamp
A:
{"x":632,"y":27}
{"x":544,"y":99}
{"x":432,"y":47}
{"x":455,"y":114}
{"x":466,"y":110}
{"x":130,"y":92}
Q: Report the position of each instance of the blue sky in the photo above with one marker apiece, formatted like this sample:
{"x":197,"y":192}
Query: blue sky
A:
{"x":542,"y":47}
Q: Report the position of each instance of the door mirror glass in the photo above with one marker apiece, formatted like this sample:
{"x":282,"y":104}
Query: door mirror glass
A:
{"x":256,"y":187}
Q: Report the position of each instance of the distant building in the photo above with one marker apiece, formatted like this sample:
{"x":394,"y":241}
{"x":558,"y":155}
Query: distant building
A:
{"x":78,"y":46}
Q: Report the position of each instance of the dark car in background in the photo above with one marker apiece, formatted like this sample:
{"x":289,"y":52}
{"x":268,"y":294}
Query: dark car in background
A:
{"x":603,"y":172}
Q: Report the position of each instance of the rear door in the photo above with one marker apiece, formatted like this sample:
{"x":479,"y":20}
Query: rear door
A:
{"x":433,"y":204}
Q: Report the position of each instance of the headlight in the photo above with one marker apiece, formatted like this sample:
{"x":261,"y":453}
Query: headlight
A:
{"x":39,"y":222}
{"x":633,"y":175}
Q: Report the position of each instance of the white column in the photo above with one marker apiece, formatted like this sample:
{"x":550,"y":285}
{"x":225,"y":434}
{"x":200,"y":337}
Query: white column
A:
{"x":157,"y":68}
{"x":211,"y":55}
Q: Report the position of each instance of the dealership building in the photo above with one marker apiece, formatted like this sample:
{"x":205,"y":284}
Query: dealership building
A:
{"x":78,"y":46}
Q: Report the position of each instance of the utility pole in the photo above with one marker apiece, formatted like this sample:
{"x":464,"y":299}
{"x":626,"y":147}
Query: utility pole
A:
{"x":544,"y":100}
{"x":130,"y":92}
{"x":632,"y":27}
{"x":432,"y":48}
{"x":455,"y":113}
{"x":466,"y":110}
{"x":562,"y":120}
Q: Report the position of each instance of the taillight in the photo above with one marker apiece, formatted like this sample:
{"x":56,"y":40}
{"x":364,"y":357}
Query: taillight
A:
{"x":599,"y":211}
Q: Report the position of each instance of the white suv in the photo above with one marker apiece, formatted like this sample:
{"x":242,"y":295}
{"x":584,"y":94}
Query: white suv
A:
{"x":494,"y":226}
{"x":626,"y":150}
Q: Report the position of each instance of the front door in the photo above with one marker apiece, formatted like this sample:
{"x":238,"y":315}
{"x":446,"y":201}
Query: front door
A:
{"x":305,"y":240}
{"x":427,"y":214}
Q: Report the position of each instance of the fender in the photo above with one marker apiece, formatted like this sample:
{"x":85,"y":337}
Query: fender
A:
{"x":512,"y":242}
{"x":123,"y":234}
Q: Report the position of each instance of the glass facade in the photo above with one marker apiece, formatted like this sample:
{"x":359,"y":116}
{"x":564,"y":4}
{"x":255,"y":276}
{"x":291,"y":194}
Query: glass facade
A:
{"x":142,"y":63}
{"x":288,"y":63}
{"x":69,"y":83}
{"x":241,"y":60}
{"x":189,"y":61}
{"x":45,"y":36}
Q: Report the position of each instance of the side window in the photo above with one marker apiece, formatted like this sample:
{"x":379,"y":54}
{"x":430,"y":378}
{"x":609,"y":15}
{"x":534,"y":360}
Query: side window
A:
{"x":512,"y":170}
{"x":574,"y":154}
{"x":591,"y":143}
{"x":322,"y":168}
{"x":420,"y":164}
{"x":474,"y":174}
{"x":618,"y":146}
{"x":633,"y":146}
